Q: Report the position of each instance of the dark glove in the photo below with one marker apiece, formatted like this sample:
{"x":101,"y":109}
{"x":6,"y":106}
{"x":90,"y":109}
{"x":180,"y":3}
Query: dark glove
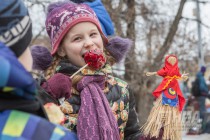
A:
{"x":58,"y":86}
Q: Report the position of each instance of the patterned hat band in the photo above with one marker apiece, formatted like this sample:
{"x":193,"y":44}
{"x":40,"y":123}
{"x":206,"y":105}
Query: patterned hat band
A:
{"x":17,"y":32}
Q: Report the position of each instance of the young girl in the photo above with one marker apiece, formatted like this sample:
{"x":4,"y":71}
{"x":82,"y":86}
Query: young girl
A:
{"x":97,"y":105}
{"x":166,"y":113}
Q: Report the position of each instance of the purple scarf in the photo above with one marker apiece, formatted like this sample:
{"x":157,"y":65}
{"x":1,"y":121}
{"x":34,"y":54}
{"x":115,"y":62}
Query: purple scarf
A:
{"x":96,"y":120}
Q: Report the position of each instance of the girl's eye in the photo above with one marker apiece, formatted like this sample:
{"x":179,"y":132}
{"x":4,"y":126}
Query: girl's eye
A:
{"x":93,"y":34}
{"x":77,"y":39}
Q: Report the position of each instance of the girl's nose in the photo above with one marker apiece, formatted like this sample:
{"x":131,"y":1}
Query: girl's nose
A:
{"x":88,"y":43}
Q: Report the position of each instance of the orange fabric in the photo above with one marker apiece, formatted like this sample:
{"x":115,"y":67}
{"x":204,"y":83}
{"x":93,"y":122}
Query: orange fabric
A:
{"x":170,"y":74}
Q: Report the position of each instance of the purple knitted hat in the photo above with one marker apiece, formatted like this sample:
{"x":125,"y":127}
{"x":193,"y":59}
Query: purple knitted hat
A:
{"x":62,"y":16}
{"x":42,"y":58}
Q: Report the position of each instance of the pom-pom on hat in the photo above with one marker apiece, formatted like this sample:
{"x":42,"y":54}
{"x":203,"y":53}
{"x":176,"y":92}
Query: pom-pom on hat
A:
{"x":118,"y":47}
{"x":15,"y":27}
{"x":62,"y":16}
{"x":42,"y":58}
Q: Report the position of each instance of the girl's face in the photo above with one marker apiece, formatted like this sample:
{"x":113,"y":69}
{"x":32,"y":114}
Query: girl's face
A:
{"x":79,"y":39}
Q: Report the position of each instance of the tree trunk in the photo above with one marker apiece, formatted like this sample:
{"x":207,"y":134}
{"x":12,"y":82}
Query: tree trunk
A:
{"x":130,"y":61}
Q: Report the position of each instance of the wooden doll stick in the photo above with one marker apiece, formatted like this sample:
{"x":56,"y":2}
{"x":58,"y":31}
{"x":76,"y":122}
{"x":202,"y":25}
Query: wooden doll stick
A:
{"x":79,"y":70}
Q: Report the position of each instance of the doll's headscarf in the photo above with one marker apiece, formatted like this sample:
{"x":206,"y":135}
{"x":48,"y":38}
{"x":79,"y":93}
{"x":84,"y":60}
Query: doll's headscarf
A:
{"x":14,"y":79}
{"x":171,"y":69}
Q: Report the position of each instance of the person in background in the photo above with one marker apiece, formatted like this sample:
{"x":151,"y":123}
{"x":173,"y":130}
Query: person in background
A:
{"x":21,"y":113}
{"x":202,"y":96}
{"x":203,"y":91}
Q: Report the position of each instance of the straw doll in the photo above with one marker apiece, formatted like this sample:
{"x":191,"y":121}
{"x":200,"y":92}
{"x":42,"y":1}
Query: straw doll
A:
{"x":166,"y":113}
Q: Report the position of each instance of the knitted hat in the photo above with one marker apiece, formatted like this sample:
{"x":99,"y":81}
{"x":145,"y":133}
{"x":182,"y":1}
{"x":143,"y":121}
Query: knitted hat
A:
{"x":15,"y":27}
{"x":62,"y":16}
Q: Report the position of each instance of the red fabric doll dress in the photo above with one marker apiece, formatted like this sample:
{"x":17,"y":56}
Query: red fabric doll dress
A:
{"x":170,"y":74}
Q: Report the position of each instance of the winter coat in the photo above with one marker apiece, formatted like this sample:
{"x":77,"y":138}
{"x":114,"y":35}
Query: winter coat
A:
{"x":121,"y":100}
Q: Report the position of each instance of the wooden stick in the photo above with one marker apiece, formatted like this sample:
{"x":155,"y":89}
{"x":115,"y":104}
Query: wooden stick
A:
{"x":79,"y":70}
{"x":61,"y":100}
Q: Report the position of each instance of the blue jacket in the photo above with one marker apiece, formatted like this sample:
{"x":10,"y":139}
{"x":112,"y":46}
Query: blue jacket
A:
{"x":203,"y":86}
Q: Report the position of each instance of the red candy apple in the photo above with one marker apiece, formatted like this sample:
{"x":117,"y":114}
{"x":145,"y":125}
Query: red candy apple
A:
{"x":95,"y":59}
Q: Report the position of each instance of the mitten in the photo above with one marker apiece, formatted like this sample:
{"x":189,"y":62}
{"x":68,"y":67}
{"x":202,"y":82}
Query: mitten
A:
{"x":58,"y":86}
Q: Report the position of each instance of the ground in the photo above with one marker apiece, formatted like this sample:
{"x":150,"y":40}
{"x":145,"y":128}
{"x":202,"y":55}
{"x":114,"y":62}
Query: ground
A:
{"x":196,"y":137}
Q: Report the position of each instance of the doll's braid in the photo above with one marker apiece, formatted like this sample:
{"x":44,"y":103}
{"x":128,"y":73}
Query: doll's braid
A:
{"x":51,"y":70}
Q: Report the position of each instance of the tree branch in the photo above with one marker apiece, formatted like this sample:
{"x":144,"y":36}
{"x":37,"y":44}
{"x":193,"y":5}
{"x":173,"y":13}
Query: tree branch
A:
{"x":167,"y":43}
{"x":196,"y":20}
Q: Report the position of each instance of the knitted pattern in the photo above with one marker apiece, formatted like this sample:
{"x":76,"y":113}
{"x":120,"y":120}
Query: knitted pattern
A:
{"x":96,"y":120}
